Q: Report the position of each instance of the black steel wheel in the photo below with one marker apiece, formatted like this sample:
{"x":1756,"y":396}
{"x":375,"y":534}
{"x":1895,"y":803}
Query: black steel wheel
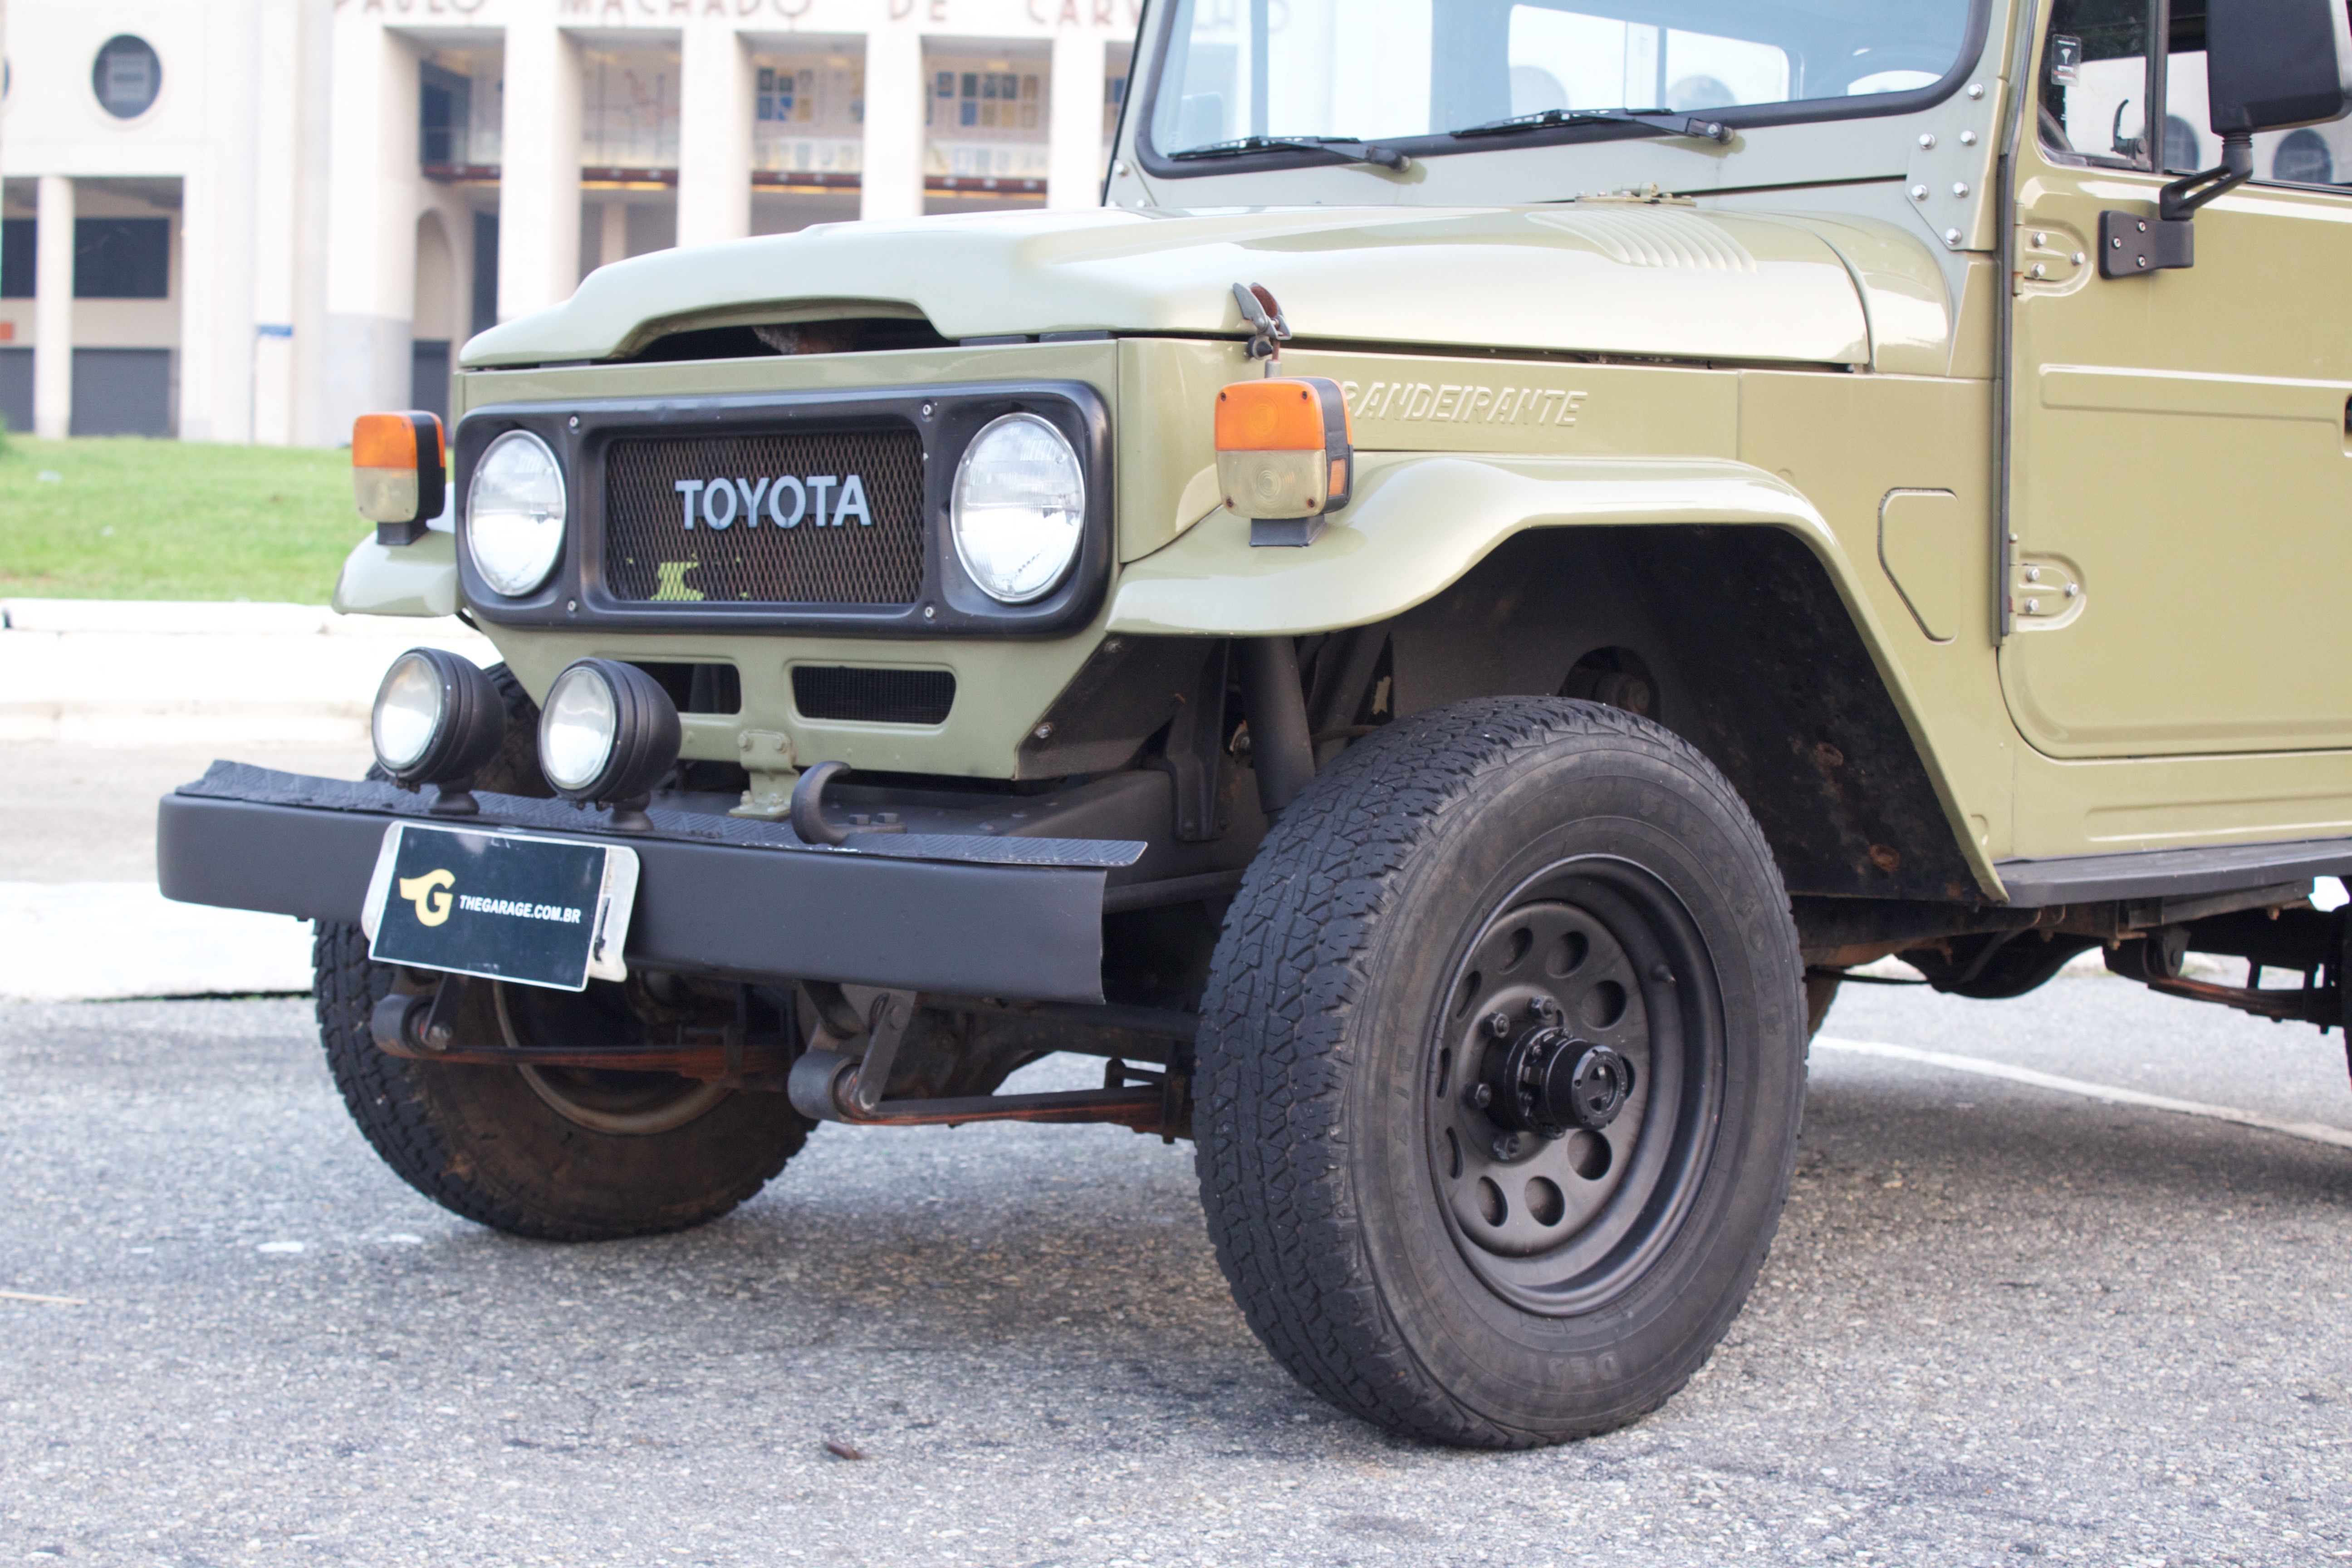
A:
{"x":1501,"y":1070}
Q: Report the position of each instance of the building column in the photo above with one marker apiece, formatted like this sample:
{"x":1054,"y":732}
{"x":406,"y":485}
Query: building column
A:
{"x":612,"y":232}
{"x":312,"y":422}
{"x":278,"y":139}
{"x":895,"y":99}
{"x":714,"y":134}
{"x":216,"y":269}
{"x":1074,"y":138}
{"x":53,"y":280}
{"x":538,"y":177}
{"x":371,"y":279}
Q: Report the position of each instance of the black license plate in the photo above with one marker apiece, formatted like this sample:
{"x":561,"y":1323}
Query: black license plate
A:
{"x":504,"y":905}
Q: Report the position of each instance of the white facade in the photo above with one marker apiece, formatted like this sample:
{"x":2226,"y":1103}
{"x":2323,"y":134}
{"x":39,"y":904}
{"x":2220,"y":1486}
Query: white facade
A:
{"x":353,"y":187}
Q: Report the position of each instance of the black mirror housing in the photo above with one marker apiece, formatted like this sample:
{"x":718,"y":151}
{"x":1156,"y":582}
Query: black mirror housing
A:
{"x":2273,"y":65}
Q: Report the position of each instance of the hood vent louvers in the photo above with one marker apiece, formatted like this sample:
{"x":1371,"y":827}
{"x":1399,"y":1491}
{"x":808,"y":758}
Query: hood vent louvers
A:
{"x":847,"y":335}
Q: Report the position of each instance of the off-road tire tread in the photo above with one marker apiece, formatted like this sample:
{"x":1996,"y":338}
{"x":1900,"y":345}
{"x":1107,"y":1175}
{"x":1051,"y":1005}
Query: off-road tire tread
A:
{"x":1288,"y":969}
{"x":377,"y":1088}
{"x":399,"y":1127}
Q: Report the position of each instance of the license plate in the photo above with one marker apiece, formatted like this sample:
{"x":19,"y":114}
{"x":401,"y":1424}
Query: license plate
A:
{"x":503,"y":905}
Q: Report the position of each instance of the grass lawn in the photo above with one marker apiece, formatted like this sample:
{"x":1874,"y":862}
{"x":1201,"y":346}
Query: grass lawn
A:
{"x":122,"y":518}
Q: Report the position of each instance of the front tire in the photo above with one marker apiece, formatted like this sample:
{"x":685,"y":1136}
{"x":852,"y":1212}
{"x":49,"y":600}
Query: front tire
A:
{"x":551,"y":1154}
{"x":1457,"y":902}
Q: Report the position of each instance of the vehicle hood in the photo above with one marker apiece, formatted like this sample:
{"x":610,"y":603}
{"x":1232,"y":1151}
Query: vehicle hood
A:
{"x":1596,"y":277}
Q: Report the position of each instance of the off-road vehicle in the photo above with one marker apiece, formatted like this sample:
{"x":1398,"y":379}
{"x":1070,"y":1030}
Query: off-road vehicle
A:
{"x":1522,"y":540}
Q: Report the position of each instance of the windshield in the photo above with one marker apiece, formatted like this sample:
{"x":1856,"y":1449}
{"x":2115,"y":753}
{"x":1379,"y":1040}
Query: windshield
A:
{"x":1371,"y":69}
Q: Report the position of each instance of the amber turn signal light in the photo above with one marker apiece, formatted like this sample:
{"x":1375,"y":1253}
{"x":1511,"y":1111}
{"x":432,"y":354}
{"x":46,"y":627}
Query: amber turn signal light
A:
{"x":399,"y":472}
{"x":1286,"y":455}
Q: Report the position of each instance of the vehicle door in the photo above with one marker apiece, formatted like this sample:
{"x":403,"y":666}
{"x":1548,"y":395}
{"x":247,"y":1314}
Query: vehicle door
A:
{"x":2180,"y":475}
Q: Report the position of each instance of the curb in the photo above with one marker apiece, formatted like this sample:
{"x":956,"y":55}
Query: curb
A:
{"x":163,"y":672}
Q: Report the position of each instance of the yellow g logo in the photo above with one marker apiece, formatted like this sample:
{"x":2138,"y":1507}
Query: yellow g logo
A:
{"x":430,"y":894}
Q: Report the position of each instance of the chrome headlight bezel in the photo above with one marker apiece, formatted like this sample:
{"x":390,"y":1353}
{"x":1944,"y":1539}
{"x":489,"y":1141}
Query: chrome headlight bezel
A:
{"x":1002,"y":564}
{"x":513,"y":548}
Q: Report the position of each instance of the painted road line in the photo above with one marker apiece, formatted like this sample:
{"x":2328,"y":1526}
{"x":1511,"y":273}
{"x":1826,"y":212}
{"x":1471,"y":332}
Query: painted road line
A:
{"x":2315,"y":1132}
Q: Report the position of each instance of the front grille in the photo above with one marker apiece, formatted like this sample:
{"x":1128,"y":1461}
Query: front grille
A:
{"x":872,"y":696}
{"x":651,"y":557}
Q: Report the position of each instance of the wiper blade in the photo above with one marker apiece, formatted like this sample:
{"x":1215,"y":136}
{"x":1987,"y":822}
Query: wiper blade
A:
{"x":1664,"y":122}
{"x":1346,"y":147}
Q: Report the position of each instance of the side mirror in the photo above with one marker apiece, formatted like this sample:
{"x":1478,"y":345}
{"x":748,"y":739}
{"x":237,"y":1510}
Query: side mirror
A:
{"x":2270,"y":65}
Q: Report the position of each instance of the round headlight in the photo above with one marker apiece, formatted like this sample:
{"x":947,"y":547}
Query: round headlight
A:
{"x":1018,"y":512}
{"x":607,"y":732}
{"x":437,"y":718}
{"x":514,"y":513}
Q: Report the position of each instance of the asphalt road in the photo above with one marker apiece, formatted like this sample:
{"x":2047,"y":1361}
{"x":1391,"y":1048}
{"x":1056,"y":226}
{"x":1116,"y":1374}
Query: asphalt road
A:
{"x":1999,"y":1324}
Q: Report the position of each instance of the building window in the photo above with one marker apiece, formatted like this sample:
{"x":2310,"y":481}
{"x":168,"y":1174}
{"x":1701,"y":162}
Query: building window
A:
{"x":2303,"y":159}
{"x":127,"y":77}
{"x":987,"y":119}
{"x":2181,"y":155}
{"x":19,"y":256}
{"x":996,"y":100}
{"x":807,"y":118}
{"x":444,"y":112}
{"x":122,"y":259}
{"x":628,"y":117}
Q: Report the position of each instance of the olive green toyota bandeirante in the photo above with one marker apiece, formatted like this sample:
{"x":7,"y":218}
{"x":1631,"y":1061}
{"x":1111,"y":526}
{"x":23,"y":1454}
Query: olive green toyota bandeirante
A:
{"x":1521,"y":542}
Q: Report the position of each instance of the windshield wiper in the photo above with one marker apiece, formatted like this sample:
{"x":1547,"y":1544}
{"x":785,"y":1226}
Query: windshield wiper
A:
{"x":1663,"y":121}
{"x":1346,"y":147}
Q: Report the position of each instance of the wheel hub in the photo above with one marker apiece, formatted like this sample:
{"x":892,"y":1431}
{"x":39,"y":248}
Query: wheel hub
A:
{"x":1547,"y":1081}
{"x":1544,"y":1079}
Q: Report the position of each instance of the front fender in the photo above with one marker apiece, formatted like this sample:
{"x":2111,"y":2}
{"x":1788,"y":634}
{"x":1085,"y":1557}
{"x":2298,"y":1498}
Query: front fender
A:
{"x":1421,"y":522}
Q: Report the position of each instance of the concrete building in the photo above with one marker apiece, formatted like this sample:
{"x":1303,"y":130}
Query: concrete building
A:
{"x":249,"y":220}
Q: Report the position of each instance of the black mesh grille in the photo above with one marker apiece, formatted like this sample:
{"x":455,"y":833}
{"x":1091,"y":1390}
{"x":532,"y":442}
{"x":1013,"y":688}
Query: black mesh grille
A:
{"x":651,"y":555}
{"x":872,"y":696}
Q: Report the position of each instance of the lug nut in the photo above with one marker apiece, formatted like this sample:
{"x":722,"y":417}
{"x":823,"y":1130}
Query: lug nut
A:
{"x":1499,"y":1026}
{"x":1482,"y":1095}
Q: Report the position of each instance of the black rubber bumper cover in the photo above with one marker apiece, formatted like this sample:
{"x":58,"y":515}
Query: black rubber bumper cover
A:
{"x":1020,"y":918}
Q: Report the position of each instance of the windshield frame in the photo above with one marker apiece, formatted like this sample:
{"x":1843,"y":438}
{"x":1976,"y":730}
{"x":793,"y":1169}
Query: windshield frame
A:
{"x":1447,"y":145}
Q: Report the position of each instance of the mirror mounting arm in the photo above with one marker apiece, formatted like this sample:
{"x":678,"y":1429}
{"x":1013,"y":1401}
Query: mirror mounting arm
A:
{"x":2185,"y":196}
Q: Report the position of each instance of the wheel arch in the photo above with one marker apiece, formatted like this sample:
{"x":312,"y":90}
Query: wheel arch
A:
{"x":1722,"y":578}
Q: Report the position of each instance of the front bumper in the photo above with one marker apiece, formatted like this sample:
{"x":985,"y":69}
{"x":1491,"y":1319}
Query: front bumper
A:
{"x":1003,"y":917}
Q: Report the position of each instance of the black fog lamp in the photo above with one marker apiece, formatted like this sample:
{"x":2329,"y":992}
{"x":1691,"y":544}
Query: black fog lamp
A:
{"x":608,"y":733}
{"x":437,"y":721}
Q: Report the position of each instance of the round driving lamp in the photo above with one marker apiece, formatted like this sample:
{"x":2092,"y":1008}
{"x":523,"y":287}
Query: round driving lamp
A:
{"x":1018,"y":510}
{"x":608,"y":733}
{"x":437,"y":720}
{"x":514,"y":514}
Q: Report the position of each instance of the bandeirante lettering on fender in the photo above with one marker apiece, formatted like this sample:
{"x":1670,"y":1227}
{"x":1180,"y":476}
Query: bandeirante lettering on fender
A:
{"x":1464,"y":404}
